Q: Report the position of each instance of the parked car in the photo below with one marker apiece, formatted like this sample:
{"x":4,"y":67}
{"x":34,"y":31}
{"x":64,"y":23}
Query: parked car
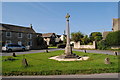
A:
{"x":13,"y":47}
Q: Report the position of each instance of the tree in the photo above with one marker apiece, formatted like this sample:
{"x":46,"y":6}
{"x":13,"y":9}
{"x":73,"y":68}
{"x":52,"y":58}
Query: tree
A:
{"x":40,"y":40}
{"x":76,"y":36}
{"x":85,"y":40}
{"x":102,"y":45}
{"x":113,"y":38}
{"x":96,"y":36}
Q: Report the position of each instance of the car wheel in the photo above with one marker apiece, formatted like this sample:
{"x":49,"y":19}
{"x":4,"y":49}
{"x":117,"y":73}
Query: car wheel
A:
{"x":9,"y":50}
{"x":23,"y":49}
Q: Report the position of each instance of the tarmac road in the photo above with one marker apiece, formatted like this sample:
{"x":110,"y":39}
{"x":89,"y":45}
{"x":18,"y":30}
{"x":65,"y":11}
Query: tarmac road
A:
{"x":54,"y":49}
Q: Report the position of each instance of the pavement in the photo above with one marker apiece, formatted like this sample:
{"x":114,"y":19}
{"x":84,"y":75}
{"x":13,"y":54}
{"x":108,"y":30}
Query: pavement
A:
{"x":54,"y":49}
{"x":102,"y":75}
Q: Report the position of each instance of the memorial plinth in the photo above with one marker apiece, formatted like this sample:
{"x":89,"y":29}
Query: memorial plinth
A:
{"x":68,"y":54}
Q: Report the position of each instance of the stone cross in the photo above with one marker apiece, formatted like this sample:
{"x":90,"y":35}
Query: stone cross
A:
{"x":68,"y":50}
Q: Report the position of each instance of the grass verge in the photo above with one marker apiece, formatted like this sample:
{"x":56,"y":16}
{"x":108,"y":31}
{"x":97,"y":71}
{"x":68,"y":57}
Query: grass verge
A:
{"x":39,"y":64}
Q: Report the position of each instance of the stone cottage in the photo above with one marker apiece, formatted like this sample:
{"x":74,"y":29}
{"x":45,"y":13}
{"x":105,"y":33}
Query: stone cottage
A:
{"x":19,"y":35}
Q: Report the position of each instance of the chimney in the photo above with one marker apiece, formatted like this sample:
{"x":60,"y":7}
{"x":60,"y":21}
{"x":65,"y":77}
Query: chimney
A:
{"x":31,"y":26}
{"x":64,"y":32}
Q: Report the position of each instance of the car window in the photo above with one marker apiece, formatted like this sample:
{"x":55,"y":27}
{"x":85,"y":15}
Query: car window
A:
{"x":18,"y":46}
{"x":9,"y":45}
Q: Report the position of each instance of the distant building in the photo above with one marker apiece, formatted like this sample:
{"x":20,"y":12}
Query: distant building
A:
{"x":51,"y":38}
{"x":104,"y":34}
{"x":19,"y":35}
{"x":115,"y":27}
{"x":116,"y":24}
{"x":63,"y":37}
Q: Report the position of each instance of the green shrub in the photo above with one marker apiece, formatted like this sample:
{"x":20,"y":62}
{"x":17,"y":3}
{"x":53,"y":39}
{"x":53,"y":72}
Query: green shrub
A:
{"x":102,"y":45}
{"x":113,"y":38}
{"x":61,"y":45}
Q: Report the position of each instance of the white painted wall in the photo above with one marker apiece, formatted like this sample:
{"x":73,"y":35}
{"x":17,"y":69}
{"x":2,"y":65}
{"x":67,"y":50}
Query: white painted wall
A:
{"x":78,"y":46}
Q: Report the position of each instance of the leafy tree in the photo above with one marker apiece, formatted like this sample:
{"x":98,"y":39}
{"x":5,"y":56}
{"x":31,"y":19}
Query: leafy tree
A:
{"x":113,"y":38}
{"x":96,"y":36}
{"x":85,"y":39}
{"x":76,"y":36}
{"x":40,"y":40}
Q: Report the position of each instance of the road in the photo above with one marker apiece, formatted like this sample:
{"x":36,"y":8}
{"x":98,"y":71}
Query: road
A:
{"x":28,"y":52}
{"x":54,"y":49}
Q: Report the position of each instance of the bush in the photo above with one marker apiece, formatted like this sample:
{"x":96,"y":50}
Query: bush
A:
{"x":113,"y":38}
{"x":102,"y":45}
{"x":61,"y":45}
{"x":51,"y":45}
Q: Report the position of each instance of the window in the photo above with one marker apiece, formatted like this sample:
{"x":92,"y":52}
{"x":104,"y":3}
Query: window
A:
{"x":8,"y":34}
{"x":30,"y":36}
{"x":19,"y":42}
{"x":20,"y":35}
{"x":29,"y":43}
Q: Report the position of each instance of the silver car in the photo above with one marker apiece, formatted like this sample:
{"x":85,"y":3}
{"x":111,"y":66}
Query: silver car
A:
{"x":13,"y":47}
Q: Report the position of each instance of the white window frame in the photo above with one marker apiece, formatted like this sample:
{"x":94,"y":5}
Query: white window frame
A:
{"x":29,"y":36}
{"x":21,"y":35}
{"x":7,"y":35}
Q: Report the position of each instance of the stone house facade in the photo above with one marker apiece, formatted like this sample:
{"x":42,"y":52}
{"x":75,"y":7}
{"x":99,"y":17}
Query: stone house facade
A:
{"x":20,"y":35}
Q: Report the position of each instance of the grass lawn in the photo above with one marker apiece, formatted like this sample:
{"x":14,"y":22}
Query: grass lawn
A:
{"x":52,"y":47}
{"x":39,"y":64}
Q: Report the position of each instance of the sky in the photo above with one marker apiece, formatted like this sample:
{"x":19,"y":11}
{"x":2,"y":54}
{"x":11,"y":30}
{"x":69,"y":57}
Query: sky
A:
{"x":49,"y":17}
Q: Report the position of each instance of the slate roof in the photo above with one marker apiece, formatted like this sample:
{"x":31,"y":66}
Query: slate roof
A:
{"x":48,"y":34}
{"x":58,"y":36}
{"x":16,"y":28}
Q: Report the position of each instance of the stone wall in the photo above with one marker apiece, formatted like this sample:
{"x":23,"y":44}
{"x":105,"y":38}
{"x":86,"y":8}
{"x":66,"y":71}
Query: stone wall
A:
{"x":78,"y":46}
{"x":115,"y":47}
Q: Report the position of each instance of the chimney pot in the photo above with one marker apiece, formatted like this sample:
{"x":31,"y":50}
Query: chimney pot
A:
{"x":31,"y":26}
